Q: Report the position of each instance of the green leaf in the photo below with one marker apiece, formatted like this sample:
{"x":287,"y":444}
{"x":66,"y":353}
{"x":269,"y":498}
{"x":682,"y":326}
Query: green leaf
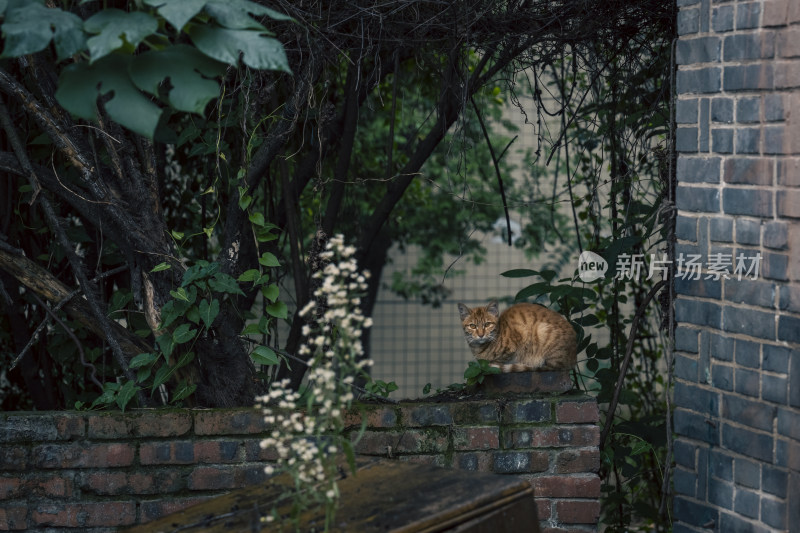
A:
{"x":222,"y":282}
{"x":81,"y":83}
{"x":257,"y":218}
{"x":270,"y":292}
{"x":126,"y":392}
{"x":235,"y":14}
{"x":143,"y":359}
{"x":249,"y":275}
{"x":268,"y":259}
{"x":177,"y":12}
{"x":180,"y":294}
{"x":116,"y":29}
{"x":183,"y":333}
{"x":278,"y":310}
{"x":472,"y":371}
{"x":183,"y":390}
{"x":208,"y":311}
{"x":161,"y":266}
{"x":161,"y":376}
{"x":519,"y":273}
{"x":264,"y":356}
{"x":166,"y":344}
{"x":188,"y":71}
{"x":184,"y":360}
{"x":30,"y":28}
{"x":225,"y":45}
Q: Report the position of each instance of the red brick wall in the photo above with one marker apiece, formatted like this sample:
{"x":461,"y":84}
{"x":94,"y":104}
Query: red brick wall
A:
{"x":92,"y":471}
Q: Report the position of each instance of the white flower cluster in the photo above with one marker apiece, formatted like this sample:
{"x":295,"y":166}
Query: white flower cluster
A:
{"x":307,"y":443}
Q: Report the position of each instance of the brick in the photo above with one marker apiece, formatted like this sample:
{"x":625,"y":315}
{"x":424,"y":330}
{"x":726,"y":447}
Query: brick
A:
{"x":698,"y":169}
{"x":700,"y":50}
{"x":576,"y":486}
{"x":220,"y":422}
{"x":158,"y":424}
{"x":686,"y":228}
{"x":552,"y":436}
{"x":747,"y":77}
{"x":698,"y":312}
{"x":10,"y":488}
{"x":473,"y":461}
{"x":789,"y":204}
{"x":217,"y":451}
{"x":786,"y":74}
{"x":722,"y":377}
{"x":779,"y":139}
{"x":211,"y":478}
{"x":720,"y":229}
{"x":776,"y":235}
{"x":577,"y":412}
{"x":477,"y":438}
{"x":684,"y":453}
{"x":774,"y":480}
{"x":748,"y":170}
{"x":688,"y":21}
{"x":746,"y":503}
{"x":775,"y":266}
{"x":427,"y":415}
{"x":748,"y":473}
{"x":787,"y":42}
{"x":722,"y":18}
{"x":789,"y":171}
{"x":697,"y":399}
{"x":748,"y":382}
{"x":28,"y":428}
{"x":748,"y":15}
{"x":789,"y":423}
{"x":774,"y":389}
{"x":684,"y":482}
{"x":733,"y":523}
{"x":578,"y":512}
{"x":519,"y":462}
{"x":166,"y":452}
{"x":748,"y":353}
{"x":108,"y":426}
{"x":83,"y":456}
{"x":789,"y":329}
{"x":743,"y":46}
{"x":693,"y":513}
{"x":702,"y":80}
{"x":13,"y":517}
{"x":748,"y":231}
{"x":747,"y":442}
{"x":773,"y":108}
{"x":685,"y":368}
{"x":695,"y":426}
{"x":752,"y":292}
{"x":527,"y":411}
{"x":753,"y":202}
{"x":720,"y":465}
{"x":773,"y":513}
{"x":722,"y":141}
{"x":686,"y":111}
{"x":686,"y":339}
{"x":775,"y":13}
{"x":686,"y":139}
{"x":722,"y":110}
{"x":116,"y":483}
{"x":720,"y":492}
{"x":577,"y":461}
{"x":776,"y":358}
{"x":748,"y":140}
{"x":475,"y":413}
{"x":704,"y":288}
{"x":13,"y":458}
{"x":789,"y":298}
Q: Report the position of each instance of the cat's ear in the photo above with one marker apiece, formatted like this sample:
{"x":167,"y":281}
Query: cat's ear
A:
{"x":463,"y":311}
{"x":492,"y":309}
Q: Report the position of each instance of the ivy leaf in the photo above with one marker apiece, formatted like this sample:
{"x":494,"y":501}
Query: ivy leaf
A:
{"x":143,"y":359}
{"x":264,"y":356}
{"x":30,"y":28}
{"x":177,"y":12}
{"x":161,"y":376}
{"x":117,"y":29}
{"x":249,"y":275}
{"x":224,"y":45}
{"x":183,"y":333}
{"x":126,"y":392}
{"x":268,"y":259}
{"x":270,"y":292}
{"x":188,"y":71}
{"x":208,"y":311}
{"x":81,"y":83}
{"x":278,"y":310}
{"x":183,"y":390}
{"x":222,"y":282}
{"x":161,"y":266}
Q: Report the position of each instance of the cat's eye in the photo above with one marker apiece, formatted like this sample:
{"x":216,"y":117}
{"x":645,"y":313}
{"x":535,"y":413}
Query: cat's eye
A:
{"x":473,"y":326}
{"x":489,"y":325}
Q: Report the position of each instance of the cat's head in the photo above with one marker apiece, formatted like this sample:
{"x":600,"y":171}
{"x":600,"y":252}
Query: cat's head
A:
{"x":479,"y":323}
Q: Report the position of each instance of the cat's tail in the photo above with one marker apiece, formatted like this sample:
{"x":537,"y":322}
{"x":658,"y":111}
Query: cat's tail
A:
{"x":505,"y":368}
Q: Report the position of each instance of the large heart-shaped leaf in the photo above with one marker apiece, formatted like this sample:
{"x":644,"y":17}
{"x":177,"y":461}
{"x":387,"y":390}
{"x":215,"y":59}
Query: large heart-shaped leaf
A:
{"x":188,"y":71}
{"x":116,"y":28}
{"x":259,"y":51}
{"x":29,"y":28}
{"x":177,"y":12}
{"x":80,"y":85}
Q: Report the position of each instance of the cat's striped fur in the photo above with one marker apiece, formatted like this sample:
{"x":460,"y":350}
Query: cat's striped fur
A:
{"x":522,"y":338}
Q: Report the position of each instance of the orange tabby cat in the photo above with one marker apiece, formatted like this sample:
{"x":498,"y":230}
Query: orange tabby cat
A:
{"x":524,"y":337}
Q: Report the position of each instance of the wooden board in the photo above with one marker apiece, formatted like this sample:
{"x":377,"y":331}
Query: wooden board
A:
{"x":386,"y":496}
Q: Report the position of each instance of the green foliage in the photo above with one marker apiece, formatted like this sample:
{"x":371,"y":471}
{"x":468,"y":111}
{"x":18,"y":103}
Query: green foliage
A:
{"x":379,"y":387}
{"x":477,"y":370}
{"x":109,"y":45}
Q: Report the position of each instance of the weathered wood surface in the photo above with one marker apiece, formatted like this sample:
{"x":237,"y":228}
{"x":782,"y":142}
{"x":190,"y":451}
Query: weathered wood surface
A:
{"x":385,"y":496}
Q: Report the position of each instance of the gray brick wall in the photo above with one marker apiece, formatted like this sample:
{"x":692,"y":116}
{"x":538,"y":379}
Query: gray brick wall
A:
{"x":737,"y":343}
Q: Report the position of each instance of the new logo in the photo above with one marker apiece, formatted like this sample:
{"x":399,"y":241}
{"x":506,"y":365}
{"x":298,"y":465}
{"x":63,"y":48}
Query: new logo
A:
{"x":591,"y":267}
